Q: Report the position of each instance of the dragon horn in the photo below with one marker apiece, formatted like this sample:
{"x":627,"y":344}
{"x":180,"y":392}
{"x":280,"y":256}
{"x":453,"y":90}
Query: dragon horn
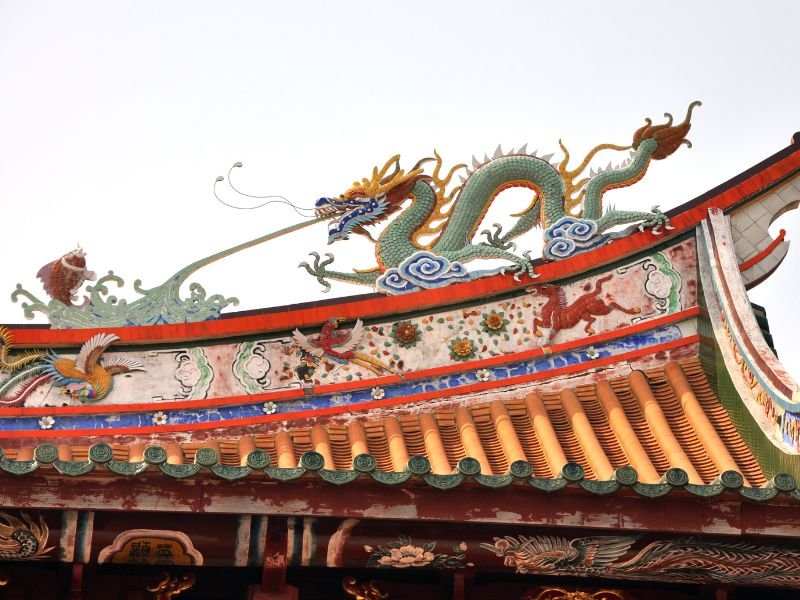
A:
{"x":382,"y":176}
{"x":422,"y":161}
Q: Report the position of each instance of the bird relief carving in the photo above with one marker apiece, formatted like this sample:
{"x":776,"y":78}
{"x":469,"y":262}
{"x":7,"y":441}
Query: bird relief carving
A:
{"x":88,"y":377}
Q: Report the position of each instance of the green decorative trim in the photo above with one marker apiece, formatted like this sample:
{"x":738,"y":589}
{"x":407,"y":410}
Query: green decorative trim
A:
{"x":393,"y":478}
{"x":285,"y":474}
{"x":365,"y":463}
{"x":337,"y":477}
{"x":246,"y":353}
{"x":128,"y":469}
{"x":46,"y":453}
{"x":73,"y":468}
{"x":258,"y":459}
{"x":759,"y":494}
{"x":419,"y":465}
{"x":18,"y":467}
{"x":312,"y":461}
{"x":101,"y":453}
{"x":180,"y":471}
{"x":705,"y":491}
{"x":652,"y":490}
{"x":626,"y":475}
{"x":572,"y":472}
{"x":676,"y":477}
{"x":206,"y":457}
{"x":494,"y":481}
{"x":197,"y":357}
{"x":469,"y":466}
{"x":771,"y":459}
{"x":674,"y":298}
{"x":601,"y":488}
{"x":548,"y":485}
{"x":521,"y":469}
{"x":444,"y":482}
{"x":732,"y":480}
{"x":783,"y":482}
{"x":155,"y":455}
{"x":229,"y":472}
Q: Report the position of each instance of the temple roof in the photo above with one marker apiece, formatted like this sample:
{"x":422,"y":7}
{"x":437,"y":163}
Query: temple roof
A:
{"x":662,"y":426}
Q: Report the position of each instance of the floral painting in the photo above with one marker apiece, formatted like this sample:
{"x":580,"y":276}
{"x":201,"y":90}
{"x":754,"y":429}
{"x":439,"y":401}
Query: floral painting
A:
{"x":402,"y":554}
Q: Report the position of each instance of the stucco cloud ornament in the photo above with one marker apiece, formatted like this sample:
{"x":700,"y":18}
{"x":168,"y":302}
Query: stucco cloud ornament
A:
{"x":658,"y":284}
{"x":187,"y":373}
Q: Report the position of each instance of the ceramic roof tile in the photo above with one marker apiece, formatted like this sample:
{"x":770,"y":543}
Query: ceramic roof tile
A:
{"x":668,"y":417}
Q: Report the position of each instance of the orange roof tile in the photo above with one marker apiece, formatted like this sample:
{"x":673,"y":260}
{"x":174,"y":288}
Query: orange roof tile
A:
{"x":667,"y":417}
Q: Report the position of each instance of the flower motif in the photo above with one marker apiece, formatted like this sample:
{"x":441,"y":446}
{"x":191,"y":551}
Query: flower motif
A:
{"x":592,"y":352}
{"x":406,"y":556}
{"x":483,"y":374}
{"x":160,"y":418}
{"x":461,"y":349}
{"x":270,"y":408}
{"x":47,"y":422}
{"x":405,"y":333}
{"x":494,"y":322}
{"x":378,"y":392}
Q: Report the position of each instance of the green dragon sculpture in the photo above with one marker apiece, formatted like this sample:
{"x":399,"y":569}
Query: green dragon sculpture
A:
{"x":567,"y":204}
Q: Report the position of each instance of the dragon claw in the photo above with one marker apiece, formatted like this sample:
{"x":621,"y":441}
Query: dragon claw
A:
{"x":523,"y":265}
{"x":496,"y":240}
{"x":655,"y":222}
{"x":318,"y":269}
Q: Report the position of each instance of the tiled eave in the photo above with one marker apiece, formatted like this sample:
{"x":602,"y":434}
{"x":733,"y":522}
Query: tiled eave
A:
{"x":547,"y":441}
{"x":705,"y":510}
{"x":257,"y":469}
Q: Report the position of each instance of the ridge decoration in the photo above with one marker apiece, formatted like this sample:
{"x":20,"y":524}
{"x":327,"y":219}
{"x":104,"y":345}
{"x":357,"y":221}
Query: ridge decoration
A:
{"x":429,"y":243}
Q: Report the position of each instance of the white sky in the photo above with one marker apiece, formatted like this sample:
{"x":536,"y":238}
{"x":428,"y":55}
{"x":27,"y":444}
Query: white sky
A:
{"x":115,"y":118}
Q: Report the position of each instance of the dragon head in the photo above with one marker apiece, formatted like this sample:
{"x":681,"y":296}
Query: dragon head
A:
{"x":368,"y":202}
{"x":668,"y":137}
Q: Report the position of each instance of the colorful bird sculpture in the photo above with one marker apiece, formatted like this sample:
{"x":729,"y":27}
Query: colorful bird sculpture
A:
{"x":86,"y":378}
{"x":339,"y":346}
